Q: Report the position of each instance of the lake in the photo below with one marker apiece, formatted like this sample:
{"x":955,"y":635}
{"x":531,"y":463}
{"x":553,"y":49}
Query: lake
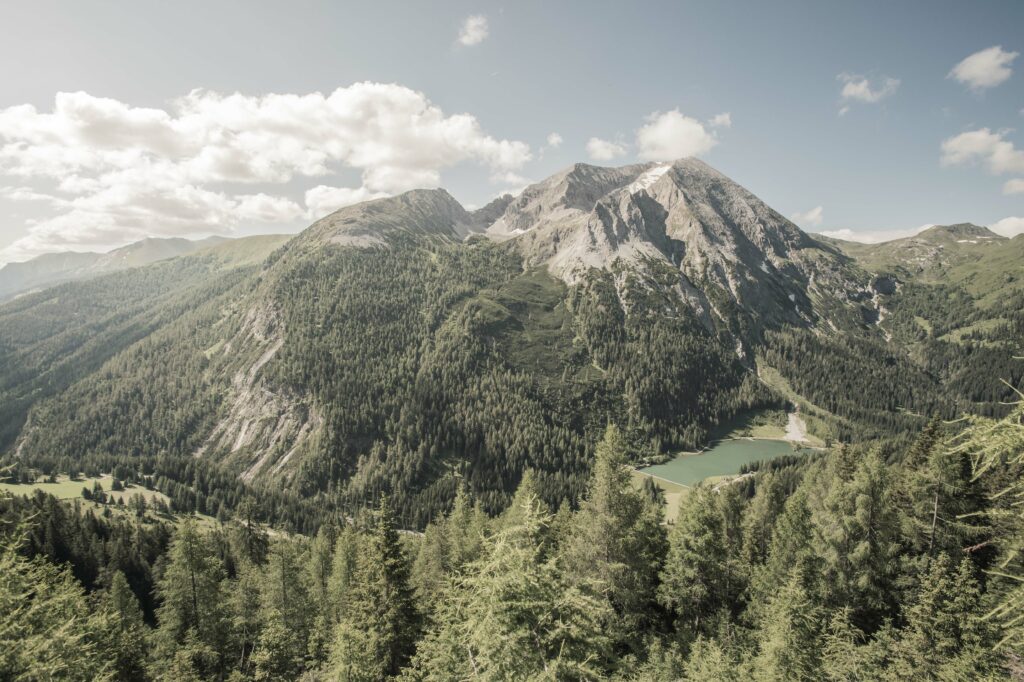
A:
{"x":721,"y":459}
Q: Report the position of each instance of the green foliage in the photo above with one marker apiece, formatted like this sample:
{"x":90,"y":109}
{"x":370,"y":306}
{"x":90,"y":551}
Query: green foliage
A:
{"x":48,"y":630}
{"x":193,"y":625}
{"x":616,"y":541}
{"x":514,"y":617}
{"x":377,"y":631}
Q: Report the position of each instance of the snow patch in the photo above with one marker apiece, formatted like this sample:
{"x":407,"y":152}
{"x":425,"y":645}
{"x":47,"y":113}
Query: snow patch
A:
{"x":647,"y":178}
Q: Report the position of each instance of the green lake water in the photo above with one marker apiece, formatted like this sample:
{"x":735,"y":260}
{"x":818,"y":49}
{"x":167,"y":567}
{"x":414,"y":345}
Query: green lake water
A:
{"x":721,"y":459}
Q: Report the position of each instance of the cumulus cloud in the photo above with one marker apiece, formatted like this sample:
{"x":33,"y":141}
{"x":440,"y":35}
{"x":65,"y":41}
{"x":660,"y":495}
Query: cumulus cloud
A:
{"x":812,"y":218}
{"x":604,"y":150}
{"x":1015,"y":186}
{"x":858,"y":88}
{"x":1008,"y":227}
{"x":723,"y":120}
{"x":554,"y":140}
{"x":671,"y":135}
{"x":115,"y":173}
{"x":984,"y":69}
{"x":986,"y":147}
{"x":474,"y":30}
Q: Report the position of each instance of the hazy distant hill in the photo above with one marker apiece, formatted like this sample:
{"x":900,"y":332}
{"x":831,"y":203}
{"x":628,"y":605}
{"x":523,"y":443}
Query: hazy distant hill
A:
{"x":54,"y":268}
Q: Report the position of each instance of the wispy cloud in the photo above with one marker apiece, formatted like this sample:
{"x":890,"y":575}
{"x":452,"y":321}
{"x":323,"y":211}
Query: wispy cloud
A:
{"x":812,"y":218}
{"x":604,"y":150}
{"x":474,"y":30}
{"x":861,"y":89}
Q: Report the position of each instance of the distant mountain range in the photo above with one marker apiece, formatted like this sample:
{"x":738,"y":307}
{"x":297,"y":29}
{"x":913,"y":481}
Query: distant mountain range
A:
{"x":408,"y":345}
{"x":54,"y":268}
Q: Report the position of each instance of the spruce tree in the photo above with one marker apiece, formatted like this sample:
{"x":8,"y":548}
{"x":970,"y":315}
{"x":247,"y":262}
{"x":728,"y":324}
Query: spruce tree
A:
{"x":377,"y":631}
{"x":194,"y":625}
{"x":616,"y":541}
{"x":857,"y":535}
{"x":513,"y":616}
{"x":695,"y":583}
{"x":285,"y":614}
{"x":789,"y":644}
{"x":128,"y":635}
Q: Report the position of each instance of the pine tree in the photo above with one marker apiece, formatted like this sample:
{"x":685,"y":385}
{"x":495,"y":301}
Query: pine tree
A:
{"x":789,"y":635}
{"x":194,"y":626}
{"x":127,"y":644}
{"x":857,"y":533}
{"x":938,"y":496}
{"x":512,"y":616}
{"x":616,"y":541}
{"x":695,"y":583}
{"x":944,"y":629}
{"x":377,"y":632}
{"x":284,"y":614}
{"x":47,"y":631}
{"x":347,"y":548}
{"x":760,"y":518}
{"x":318,"y":579}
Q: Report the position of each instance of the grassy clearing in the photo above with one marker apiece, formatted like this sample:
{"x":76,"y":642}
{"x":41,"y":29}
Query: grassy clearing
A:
{"x":819,"y":421}
{"x":674,"y":493}
{"x":769,"y":424}
{"x":68,"y":489}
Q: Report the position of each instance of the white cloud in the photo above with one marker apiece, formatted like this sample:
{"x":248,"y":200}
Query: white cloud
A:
{"x":723,"y":120}
{"x":983,"y":146}
{"x":984,"y":69}
{"x":322,"y":199}
{"x":554,"y":140}
{"x":812,"y":218}
{"x":116,"y":173}
{"x":603,"y":150}
{"x":474,"y":30}
{"x":1015,"y":186}
{"x":874,"y":236}
{"x":671,"y":135}
{"x":860,"y":89}
{"x":1008,"y":227}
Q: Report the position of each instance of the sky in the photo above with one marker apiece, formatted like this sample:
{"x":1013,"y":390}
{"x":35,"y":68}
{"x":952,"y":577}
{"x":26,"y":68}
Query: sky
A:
{"x":868,"y":120}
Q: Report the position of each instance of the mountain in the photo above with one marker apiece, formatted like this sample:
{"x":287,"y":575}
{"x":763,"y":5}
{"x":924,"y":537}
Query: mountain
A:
{"x":407,"y":345}
{"x":50,"y":269}
{"x":742,"y":265}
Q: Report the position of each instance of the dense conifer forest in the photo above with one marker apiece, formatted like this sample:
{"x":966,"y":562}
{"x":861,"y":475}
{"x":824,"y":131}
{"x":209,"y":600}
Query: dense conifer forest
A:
{"x":839,"y":567}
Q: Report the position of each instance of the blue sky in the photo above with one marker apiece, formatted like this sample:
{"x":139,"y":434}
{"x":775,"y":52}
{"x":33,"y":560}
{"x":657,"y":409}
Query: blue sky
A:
{"x":127,"y":156}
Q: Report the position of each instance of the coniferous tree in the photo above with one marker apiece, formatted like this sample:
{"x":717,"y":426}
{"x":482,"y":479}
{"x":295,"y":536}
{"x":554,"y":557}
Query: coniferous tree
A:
{"x":616,"y":541}
{"x":284,"y":614}
{"x":512,"y":616}
{"x":127,"y":644}
{"x":857,"y":532}
{"x":695,"y":582}
{"x":194,"y":626}
{"x":318,"y":578}
{"x":48,"y":630}
{"x":789,"y":645}
{"x":377,"y":631}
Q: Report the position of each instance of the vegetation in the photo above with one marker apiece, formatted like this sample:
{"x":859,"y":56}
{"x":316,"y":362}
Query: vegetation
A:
{"x":836,"y":567}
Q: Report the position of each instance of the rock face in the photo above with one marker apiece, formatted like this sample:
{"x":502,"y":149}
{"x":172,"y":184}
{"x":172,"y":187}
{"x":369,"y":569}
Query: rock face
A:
{"x":735,"y":255}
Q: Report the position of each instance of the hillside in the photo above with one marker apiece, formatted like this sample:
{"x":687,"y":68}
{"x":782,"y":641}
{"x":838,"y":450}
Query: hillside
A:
{"x":51,"y":269}
{"x":406,"y":345}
